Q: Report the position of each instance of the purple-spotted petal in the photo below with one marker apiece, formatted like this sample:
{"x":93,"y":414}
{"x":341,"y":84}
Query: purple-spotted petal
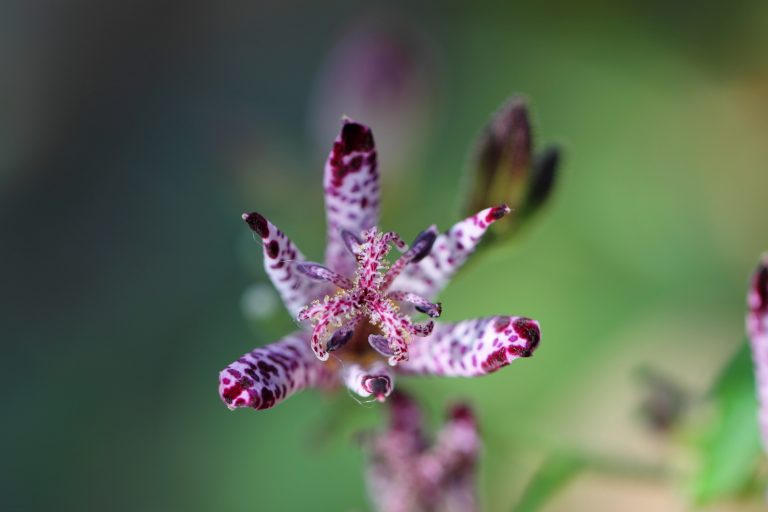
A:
{"x":351,"y":185}
{"x":757,"y":330}
{"x":268,"y":375}
{"x":280,"y":258}
{"x":473,"y":347}
{"x":453,"y":460}
{"x":450,"y":250}
{"x":374,"y":381}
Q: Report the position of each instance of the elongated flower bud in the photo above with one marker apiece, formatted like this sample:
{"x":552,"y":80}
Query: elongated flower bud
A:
{"x":505,"y":170}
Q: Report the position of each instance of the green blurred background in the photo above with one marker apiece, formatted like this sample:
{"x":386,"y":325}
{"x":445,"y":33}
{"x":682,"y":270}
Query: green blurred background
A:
{"x":133,"y":135}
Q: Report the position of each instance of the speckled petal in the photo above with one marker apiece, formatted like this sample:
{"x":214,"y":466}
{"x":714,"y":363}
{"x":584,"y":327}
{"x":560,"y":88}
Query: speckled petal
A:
{"x":451,"y":249}
{"x":757,"y":330}
{"x":456,"y":452}
{"x":268,"y":375}
{"x":280,"y":257}
{"x":375,"y":380}
{"x":473,"y":347}
{"x":351,"y":185}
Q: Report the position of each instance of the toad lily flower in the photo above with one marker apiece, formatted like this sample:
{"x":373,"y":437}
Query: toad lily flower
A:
{"x":757,"y":330}
{"x":358,"y":308}
{"x":406,"y":473}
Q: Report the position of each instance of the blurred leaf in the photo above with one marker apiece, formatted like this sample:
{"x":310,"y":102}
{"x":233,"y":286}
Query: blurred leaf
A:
{"x":554,"y":474}
{"x":732,"y":447}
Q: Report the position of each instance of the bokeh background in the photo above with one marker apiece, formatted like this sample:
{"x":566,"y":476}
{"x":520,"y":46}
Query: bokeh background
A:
{"x":133,"y":135}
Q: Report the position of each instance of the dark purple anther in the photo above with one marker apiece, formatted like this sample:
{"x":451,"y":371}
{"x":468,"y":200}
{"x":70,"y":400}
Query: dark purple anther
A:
{"x":257,"y":223}
{"x":339,"y":339}
{"x":433,"y":310}
{"x":313,"y":271}
{"x":351,"y":241}
{"x":422,"y":245}
{"x":380,"y":344}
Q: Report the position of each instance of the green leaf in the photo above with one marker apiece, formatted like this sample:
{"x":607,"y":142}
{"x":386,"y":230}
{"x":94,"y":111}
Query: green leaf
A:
{"x":555,"y":473}
{"x":732,"y":447}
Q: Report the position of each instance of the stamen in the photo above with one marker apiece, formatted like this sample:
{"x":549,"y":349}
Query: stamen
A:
{"x":423,"y":244}
{"x":433,"y":310}
{"x":340,"y":337}
{"x":321,"y":273}
{"x":381,"y":345}
{"x":390,"y":237}
{"x":351,"y":242}
{"x":419,"y":250}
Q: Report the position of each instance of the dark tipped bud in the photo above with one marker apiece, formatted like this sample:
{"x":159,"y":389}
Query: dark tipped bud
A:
{"x":338,"y":340}
{"x":503,"y":169}
{"x":380,"y":344}
{"x":502,"y":157}
{"x":422,"y":245}
{"x":257,"y":223}
{"x":461,"y":412}
{"x":542,"y":179}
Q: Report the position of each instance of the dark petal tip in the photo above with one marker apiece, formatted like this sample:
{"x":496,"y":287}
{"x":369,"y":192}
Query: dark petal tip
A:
{"x":356,"y":137}
{"x":257,"y":223}
{"x":760,"y":281}
{"x":378,"y":386}
{"x":461,"y":412}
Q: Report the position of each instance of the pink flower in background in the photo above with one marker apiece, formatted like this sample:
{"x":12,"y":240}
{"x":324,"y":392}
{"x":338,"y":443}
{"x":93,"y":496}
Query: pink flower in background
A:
{"x":384,"y":70}
{"x":757,"y":330}
{"x":406,"y":473}
{"x":359,"y":308}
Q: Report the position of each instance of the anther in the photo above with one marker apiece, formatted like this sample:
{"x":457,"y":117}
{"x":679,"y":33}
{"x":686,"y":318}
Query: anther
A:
{"x":339,"y":339}
{"x":422,"y":244}
{"x":380,"y":344}
{"x":351,"y":242}
{"x":320,"y":273}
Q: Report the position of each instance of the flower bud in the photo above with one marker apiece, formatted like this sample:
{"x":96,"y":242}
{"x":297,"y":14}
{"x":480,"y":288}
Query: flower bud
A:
{"x":505,"y":170}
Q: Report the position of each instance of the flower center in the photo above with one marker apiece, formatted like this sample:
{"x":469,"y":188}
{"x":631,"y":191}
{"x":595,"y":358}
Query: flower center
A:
{"x":365,"y":307}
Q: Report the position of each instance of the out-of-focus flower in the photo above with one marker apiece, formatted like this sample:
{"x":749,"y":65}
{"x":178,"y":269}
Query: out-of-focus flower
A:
{"x":664,"y":400}
{"x":505,"y":170}
{"x":757,"y":330}
{"x":405,"y":473}
{"x":379,"y":70}
{"x":259,"y":301}
{"x":358,"y":307}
